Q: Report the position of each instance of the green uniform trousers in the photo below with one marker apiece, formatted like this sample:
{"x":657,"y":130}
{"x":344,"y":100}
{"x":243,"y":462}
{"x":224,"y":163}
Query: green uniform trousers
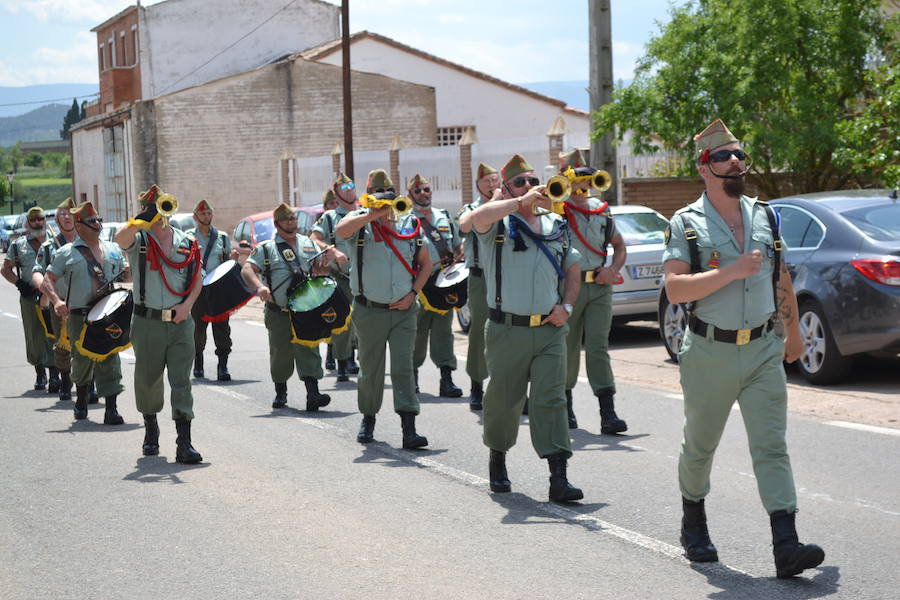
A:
{"x":62,"y":357}
{"x":590,"y":321}
{"x":38,"y":350}
{"x":516,"y":356}
{"x":713,"y":375}
{"x":438,"y":329}
{"x":161,"y":346}
{"x":107,"y":374}
{"x":221,"y":333}
{"x":342,"y":344}
{"x":377,"y":329}
{"x":283,"y":354}
{"x":476,"y":364}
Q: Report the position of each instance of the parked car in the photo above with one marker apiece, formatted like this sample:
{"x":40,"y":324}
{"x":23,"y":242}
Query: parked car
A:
{"x":843,"y":253}
{"x":635,"y":295}
{"x":4,"y":240}
{"x":182,"y":221}
{"x":108,"y":233}
{"x":259,"y":227}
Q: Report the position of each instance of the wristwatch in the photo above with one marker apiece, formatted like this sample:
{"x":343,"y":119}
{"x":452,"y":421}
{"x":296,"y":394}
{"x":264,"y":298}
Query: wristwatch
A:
{"x":569,"y":308}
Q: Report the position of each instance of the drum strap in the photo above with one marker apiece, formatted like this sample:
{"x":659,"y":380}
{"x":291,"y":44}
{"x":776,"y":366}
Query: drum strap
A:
{"x":213,"y":236}
{"x":267,"y":264}
{"x":299,"y":275}
{"x":142,"y":264}
{"x":774,"y":224}
{"x":499,"y":238}
{"x":94,"y":268}
{"x":360,"y":244}
{"x":443,"y":248}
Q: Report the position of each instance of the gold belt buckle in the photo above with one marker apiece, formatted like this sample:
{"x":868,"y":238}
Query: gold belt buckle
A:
{"x":743,"y":337}
{"x":167,"y":315}
{"x":534,"y":321}
{"x":589,"y":277}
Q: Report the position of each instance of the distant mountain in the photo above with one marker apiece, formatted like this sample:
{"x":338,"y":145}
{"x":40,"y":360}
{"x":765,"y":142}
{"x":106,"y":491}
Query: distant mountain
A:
{"x":41,"y":124}
{"x":39,"y":95}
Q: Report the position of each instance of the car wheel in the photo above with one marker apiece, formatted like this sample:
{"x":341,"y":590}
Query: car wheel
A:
{"x":672,"y":325}
{"x":463,"y":318}
{"x":821,"y":362}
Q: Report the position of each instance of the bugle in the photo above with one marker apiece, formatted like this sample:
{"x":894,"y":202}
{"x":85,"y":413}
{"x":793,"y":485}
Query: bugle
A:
{"x":601,"y":180}
{"x":399,"y":204}
{"x":166,"y":205}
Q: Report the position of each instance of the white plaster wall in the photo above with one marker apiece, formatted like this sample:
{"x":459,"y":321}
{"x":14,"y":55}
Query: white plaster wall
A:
{"x":87,"y":164}
{"x":496,"y":111}
{"x":178,"y":36}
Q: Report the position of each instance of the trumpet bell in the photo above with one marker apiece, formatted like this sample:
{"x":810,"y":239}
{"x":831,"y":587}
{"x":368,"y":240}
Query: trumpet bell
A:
{"x":401,"y":205}
{"x":559,"y":187}
{"x":166,"y":205}
{"x":601,"y":180}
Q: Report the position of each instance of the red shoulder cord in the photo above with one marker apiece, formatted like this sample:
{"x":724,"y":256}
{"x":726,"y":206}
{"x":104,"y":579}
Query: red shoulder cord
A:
{"x":570,"y":210}
{"x":388,"y":232}
{"x":156,"y":254}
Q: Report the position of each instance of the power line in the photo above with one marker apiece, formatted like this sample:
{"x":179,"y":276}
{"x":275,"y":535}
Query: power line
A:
{"x":51,"y":100}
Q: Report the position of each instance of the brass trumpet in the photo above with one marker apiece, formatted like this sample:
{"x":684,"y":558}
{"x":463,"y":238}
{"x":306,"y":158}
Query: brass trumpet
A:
{"x":601,"y":180}
{"x":166,"y":205}
{"x":400,"y":204}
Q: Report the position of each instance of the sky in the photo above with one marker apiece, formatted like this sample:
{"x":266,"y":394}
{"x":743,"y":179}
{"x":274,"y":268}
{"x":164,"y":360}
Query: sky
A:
{"x":49,"y":41}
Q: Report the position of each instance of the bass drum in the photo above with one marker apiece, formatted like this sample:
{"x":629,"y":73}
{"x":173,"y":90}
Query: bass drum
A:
{"x":447,"y":289}
{"x":224,"y":292}
{"x":107,"y":328}
{"x":319,"y":309}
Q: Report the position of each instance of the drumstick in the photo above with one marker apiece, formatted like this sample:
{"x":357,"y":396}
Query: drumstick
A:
{"x":321,"y":252}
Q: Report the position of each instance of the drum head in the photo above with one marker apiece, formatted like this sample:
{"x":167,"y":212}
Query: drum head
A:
{"x":312,"y":294}
{"x":452,"y":275}
{"x":219,"y":272}
{"x":107,"y":305}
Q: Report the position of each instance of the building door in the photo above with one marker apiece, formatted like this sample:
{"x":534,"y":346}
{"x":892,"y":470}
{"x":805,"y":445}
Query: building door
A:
{"x":114,"y":208}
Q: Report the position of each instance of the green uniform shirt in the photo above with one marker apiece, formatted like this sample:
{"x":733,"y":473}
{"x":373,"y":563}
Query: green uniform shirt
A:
{"x":46,"y":252}
{"x":156,"y":294}
{"x":744,"y":303}
{"x":69,"y":265}
{"x":593,"y":228}
{"x":221,"y":250}
{"x":530,"y":283}
{"x":326,"y":226}
{"x":280,"y":270}
{"x":384,"y":277}
{"x":470,"y":242}
{"x":23,"y":255}
{"x":444,"y":227}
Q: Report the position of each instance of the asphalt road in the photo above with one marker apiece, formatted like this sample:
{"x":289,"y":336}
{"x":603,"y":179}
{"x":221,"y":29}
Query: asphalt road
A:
{"x":287,"y":505}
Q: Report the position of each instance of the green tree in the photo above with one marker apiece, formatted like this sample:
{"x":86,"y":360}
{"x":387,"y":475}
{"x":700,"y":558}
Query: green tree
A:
{"x":71,"y":118}
{"x":782,"y":74}
{"x":34,"y":159}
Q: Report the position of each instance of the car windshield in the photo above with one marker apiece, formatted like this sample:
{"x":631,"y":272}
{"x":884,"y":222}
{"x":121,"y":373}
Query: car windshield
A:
{"x":639,"y":229}
{"x":265,"y":229}
{"x":879,"y":222}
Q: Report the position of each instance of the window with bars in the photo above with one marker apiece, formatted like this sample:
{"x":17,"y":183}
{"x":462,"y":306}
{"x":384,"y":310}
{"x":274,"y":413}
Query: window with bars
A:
{"x":450,"y":136}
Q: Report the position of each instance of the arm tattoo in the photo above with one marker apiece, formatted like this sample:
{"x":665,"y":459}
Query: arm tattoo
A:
{"x":784,"y":308}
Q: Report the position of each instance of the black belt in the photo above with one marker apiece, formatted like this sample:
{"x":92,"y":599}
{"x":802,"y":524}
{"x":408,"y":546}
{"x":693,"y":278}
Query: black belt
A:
{"x":476,"y":271}
{"x":366,"y":302}
{"x":274,"y":307}
{"x":729,"y":336}
{"x":498,"y":316}
{"x":81,"y":312}
{"x":166,"y":315}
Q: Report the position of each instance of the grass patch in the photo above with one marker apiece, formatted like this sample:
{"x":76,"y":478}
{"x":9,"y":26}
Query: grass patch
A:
{"x":43,"y":181}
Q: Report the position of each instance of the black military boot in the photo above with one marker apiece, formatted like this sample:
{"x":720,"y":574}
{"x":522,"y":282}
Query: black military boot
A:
{"x":53,"y":383}
{"x":93,"y":398}
{"x":342,"y":370}
{"x":694,"y":534}
{"x":791,"y":557}
{"x":40,"y":378}
{"x":111,"y":416}
{"x":184,"y":452}
{"x":65,"y":385}
{"x":329,"y":358}
{"x":280,"y":395}
{"x":198,"y":365}
{"x":366,"y":430}
{"x":497,"y":469}
{"x":314,"y":399}
{"x":560,"y":488}
{"x":411,"y":439}
{"x":81,"y":402}
{"x":222,"y":373}
{"x":151,"y":436}
{"x":447,"y":388}
{"x":352,"y":367}
{"x":609,"y":421}
{"x":573,"y":422}
{"x":477,"y":396}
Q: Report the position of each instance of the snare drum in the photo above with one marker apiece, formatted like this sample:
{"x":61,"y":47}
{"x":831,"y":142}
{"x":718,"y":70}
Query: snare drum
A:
{"x":107,"y":328}
{"x":447,"y":289}
{"x":319,"y":309}
{"x":224,"y":292}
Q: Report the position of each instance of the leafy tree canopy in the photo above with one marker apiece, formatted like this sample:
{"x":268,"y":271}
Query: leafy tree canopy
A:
{"x":784,"y":75}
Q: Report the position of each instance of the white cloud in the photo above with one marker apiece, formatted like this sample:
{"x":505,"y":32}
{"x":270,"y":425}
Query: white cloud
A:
{"x":76,"y":64}
{"x":448,"y":19}
{"x":71,"y":11}
{"x":625,"y":56}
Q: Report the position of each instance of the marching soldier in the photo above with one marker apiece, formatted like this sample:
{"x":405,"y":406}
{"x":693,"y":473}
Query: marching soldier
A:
{"x":532,"y":276}
{"x":592,"y":231}
{"x":444,"y":246}
{"x":22,"y":255}
{"x":215,"y":248}
{"x":283,"y":261}
{"x":62,"y":343}
{"x":344,"y":193}
{"x":724,"y":256}
{"x":488,"y":185}
{"x":166,"y":271}
{"x":88,"y":267}
{"x":389,"y":267}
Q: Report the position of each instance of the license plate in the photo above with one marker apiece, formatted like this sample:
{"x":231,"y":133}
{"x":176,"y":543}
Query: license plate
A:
{"x":646,"y":271}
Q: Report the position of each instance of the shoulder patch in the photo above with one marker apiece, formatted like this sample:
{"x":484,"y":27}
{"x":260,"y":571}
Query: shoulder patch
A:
{"x":668,"y":234}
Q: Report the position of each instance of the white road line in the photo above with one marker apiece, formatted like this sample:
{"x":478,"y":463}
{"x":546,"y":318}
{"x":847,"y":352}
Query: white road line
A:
{"x":11,"y":316}
{"x":861,"y":427}
{"x":254,"y":323}
{"x":603,"y":527}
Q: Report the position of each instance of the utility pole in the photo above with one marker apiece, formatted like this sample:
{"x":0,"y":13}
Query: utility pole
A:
{"x":348,"y":104}
{"x":603,"y":153}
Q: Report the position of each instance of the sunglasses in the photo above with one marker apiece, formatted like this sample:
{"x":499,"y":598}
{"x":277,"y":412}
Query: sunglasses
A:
{"x":521,"y":181}
{"x":427,"y":190}
{"x":93,"y":220}
{"x":723,"y":155}
{"x":383,"y":190}
{"x":291,"y":218}
{"x":347,"y":186}
{"x":37,"y":220}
